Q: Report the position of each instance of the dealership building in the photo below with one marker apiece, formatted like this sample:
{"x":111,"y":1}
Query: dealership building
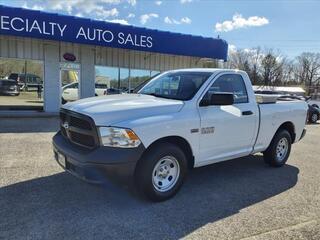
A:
{"x":52,"y":50}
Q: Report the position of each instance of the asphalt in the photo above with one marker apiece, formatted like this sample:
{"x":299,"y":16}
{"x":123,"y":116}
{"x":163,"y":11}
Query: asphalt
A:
{"x":237,"y":199}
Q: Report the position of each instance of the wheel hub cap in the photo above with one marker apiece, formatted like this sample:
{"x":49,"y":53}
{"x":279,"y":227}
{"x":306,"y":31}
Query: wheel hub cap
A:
{"x":314,"y":117}
{"x":282,"y":149}
{"x":165,"y":174}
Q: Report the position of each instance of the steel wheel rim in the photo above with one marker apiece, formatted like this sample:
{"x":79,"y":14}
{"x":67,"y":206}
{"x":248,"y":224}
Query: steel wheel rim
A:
{"x":165,"y":174}
{"x":282,"y":149}
{"x":314,"y":117}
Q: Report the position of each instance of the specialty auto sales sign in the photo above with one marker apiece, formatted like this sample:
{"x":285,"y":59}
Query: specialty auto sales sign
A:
{"x":57,"y":30}
{"x":42,"y":25}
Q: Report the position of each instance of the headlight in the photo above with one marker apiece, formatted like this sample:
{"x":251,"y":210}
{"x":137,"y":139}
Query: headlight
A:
{"x":118,"y":137}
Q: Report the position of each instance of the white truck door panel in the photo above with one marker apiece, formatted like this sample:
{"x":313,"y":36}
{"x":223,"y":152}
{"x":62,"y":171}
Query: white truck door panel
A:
{"x":233,"y":133}
{"x":234,"y":125}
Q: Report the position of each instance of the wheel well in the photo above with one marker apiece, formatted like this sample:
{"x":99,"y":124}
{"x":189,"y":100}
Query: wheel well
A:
{"x":182,"y":143}
{"x":290,"y":128}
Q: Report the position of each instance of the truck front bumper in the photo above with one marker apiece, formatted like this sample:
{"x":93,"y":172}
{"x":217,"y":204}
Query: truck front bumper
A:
{"x":95,"y":165}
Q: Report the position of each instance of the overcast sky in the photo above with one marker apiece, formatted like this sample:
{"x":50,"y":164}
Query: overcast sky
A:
{"x":292,"y":26}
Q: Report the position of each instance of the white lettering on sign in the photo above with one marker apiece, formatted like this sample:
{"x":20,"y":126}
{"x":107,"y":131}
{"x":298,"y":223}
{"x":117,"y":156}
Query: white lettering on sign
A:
{"x":19,"y":24}
{"x":134,"y":40}
{"x":54,"y":29}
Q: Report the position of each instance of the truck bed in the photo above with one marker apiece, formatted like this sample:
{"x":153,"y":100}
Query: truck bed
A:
{"x":273,"y":114}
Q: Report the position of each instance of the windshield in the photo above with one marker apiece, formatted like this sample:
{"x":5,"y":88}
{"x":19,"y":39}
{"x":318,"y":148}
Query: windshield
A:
{"x":176,"y":85}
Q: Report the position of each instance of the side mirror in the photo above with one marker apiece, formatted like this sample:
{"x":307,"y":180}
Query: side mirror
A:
{"x":222,"y":99}
{"x":218,"y":99}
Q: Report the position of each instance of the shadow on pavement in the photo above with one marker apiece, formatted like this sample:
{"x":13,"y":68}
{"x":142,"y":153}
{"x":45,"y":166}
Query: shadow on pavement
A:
{"x":29,"y":125}
{"x":63,"y":207}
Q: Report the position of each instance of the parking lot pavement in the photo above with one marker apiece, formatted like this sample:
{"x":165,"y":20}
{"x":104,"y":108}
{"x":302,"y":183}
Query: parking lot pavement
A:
{"x":237,"y":199}
{"x":24,"y":99}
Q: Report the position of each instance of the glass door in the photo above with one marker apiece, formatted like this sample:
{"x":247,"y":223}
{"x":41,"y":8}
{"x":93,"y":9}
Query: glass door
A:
{"x":70,"y":84}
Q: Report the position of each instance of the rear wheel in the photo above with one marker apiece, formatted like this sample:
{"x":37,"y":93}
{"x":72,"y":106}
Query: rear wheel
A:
{"x":161,"y":172}
{"x":314,"y":118}
{"x":278,"y":152}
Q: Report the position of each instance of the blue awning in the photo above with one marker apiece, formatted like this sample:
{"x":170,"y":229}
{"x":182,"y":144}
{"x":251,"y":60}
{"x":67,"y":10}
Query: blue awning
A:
{"x":51,"y":26}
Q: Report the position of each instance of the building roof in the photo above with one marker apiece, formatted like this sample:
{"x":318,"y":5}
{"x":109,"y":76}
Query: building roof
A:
{"x":43,"y":25}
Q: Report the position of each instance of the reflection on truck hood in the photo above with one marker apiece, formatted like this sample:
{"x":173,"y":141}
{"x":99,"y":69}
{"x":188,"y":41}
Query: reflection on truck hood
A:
{"x":123,"y":107}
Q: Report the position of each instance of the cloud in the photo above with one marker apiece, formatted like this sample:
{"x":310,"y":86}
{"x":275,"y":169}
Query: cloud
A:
{"x":115,"y":2}
{"x":132,"y":2}
{"x":121,"y":21}
{"x":232,"y":48}
{"x":37,"y":7}
{"x":131,"y":15}
{"x":239,"y":22}
{"x":95,"y":9}
{"x":101,"y":12}
{"x":185,"y":1}
{"x":184,"y":20}
{"x":33,"y":7}
{"x":146,"y":17}
{"x":79,"y":15}
{"x":158,"y":3}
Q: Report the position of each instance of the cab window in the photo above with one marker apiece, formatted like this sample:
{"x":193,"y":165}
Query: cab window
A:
{"x":230,"y":83}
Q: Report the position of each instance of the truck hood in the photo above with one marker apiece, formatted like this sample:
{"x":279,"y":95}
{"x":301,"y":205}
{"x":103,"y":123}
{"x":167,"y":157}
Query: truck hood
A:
{"x":109,"y":110}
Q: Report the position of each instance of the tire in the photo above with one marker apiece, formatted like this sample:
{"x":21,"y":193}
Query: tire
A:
{"x":161,"y":172}
{"x":313,"y":118}
{"x":279,"y":149}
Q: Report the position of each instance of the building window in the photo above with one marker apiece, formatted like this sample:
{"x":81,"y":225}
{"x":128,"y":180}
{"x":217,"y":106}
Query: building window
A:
{"x":121,"y":80}
{"x":107,"y":75}
{"x":21,"y":84}
{"x":138,"y":76}
{"x":154,"y":73}
{"x":124,"y":79}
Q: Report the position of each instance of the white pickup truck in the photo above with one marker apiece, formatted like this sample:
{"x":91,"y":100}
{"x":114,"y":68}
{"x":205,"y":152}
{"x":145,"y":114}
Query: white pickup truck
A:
{"x":179,"y":120}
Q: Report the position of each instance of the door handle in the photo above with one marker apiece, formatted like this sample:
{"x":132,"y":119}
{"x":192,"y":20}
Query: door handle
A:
{"x":246,"y":113}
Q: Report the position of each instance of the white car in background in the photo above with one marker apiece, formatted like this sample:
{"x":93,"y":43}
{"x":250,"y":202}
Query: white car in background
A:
{"x":70,"y":92}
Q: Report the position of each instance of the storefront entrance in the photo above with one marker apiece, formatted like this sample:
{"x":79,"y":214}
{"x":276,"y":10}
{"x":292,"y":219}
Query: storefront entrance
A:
{"x":70,"y":84}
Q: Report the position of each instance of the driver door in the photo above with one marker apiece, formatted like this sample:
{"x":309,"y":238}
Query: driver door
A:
{"x":227,"y":131}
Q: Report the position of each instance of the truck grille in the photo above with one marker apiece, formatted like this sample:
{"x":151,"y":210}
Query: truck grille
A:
{"x":78,"y":129}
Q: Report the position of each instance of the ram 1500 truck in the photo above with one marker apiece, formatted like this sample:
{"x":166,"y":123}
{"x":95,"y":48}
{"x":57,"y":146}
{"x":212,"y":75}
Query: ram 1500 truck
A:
{"x":179,"y":120}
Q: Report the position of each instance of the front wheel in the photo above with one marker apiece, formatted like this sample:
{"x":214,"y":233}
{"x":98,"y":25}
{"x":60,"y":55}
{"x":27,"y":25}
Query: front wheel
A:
{"x":278,"y":152}
{"x":161,"y":172}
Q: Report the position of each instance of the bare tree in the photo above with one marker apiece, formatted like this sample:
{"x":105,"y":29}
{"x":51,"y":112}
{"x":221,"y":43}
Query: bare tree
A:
{"x":272,"y":68}
{"x":248,"y":60}
{"x":308,"y":69}
{"x":288,"y":74}
{"x":269,"y":67}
